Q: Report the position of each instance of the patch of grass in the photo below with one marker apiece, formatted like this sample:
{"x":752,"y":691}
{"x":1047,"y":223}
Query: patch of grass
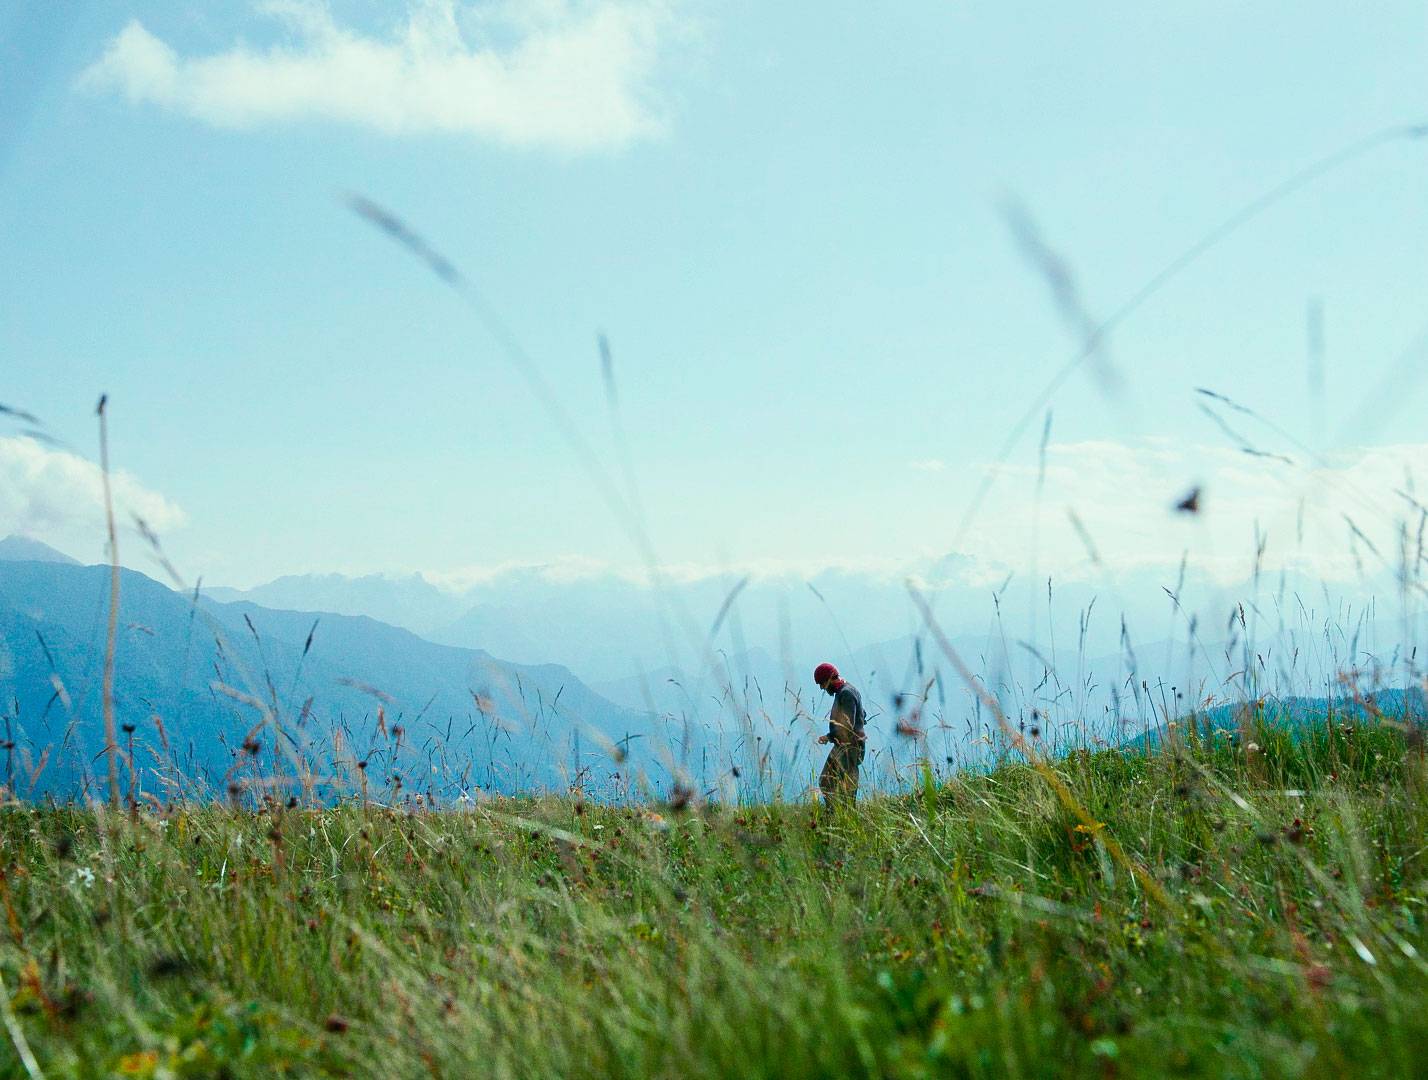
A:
{"x":972,"y":928}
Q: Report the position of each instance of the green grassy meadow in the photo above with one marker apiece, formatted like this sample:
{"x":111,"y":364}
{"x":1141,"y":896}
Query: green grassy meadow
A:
{"x":1203,"y":910}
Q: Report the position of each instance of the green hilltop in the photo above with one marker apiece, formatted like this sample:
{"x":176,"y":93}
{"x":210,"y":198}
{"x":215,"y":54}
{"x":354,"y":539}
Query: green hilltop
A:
{"x":1213,"y":911}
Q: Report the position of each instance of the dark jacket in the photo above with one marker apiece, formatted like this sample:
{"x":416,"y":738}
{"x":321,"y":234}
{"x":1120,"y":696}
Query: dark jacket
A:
{"x":847,"y":710}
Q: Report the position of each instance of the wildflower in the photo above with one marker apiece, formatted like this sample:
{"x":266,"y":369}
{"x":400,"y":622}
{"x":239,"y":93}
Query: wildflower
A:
{"x":83,"y":875}
{"x":597,"y":827}
{"x":141,"y":1063}
{"x":1252,"y":748}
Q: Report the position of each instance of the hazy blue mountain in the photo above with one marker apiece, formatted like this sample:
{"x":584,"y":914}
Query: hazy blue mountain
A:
{"x":753,"y":679}
{"x":517,"y":616}
{"x":612,"y":629}
{"x":745,"y":722}
{"x":608,"y":626}
{"x":515,"y":630}
{"x":776,"y":700}
{"x":23,"y":549}
{"x":193,"y":678}
{"x":1085,"y":662}
{"x":409,"y":601}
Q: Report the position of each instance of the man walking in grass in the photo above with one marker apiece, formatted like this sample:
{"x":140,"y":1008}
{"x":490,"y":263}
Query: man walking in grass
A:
{"x":839,"y":779}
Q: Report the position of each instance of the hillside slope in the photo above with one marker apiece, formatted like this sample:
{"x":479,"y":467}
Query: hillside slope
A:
{"x":194,"y":677}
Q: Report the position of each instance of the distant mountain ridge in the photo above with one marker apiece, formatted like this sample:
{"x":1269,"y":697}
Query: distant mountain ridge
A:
{"x":725,"y":660}
{"x":194,"y":679}
{"x":608,"y":626}
{"x":611,"y":627}
{"x":364,"y":705}
{"x":409,"y":601}
{"x":23,"y":549}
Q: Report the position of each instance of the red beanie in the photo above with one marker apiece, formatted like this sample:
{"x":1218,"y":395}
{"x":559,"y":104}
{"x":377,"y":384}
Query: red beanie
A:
{"x":823,"y":672}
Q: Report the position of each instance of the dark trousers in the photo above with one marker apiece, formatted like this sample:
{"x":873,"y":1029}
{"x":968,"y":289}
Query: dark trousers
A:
{"x":839,"y":779}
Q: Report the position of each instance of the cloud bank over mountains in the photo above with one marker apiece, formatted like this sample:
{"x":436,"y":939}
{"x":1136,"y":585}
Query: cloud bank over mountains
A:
{"x":1328,"y":532}
{"x":608,"y":627}
{"x":1096,"y":510}
{"x":568,"y":76}
{"x":56,"y":495}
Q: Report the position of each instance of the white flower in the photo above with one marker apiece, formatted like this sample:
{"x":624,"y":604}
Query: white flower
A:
{"x":1252,"y":748}
{"x":83,"y":875}
{"x":597,"y":828}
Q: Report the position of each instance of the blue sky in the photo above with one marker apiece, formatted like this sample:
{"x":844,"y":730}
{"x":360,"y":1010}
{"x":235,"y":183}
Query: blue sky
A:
{"x":788,"y":218}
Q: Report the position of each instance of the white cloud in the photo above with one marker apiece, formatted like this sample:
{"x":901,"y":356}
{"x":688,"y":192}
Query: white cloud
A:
{"x":1124,"y":493}
{"x":573,"y":75}
{"x":57,"y":496}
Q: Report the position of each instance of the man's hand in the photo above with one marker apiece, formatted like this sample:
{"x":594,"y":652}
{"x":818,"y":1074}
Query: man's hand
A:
{"x":823,"y":739}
